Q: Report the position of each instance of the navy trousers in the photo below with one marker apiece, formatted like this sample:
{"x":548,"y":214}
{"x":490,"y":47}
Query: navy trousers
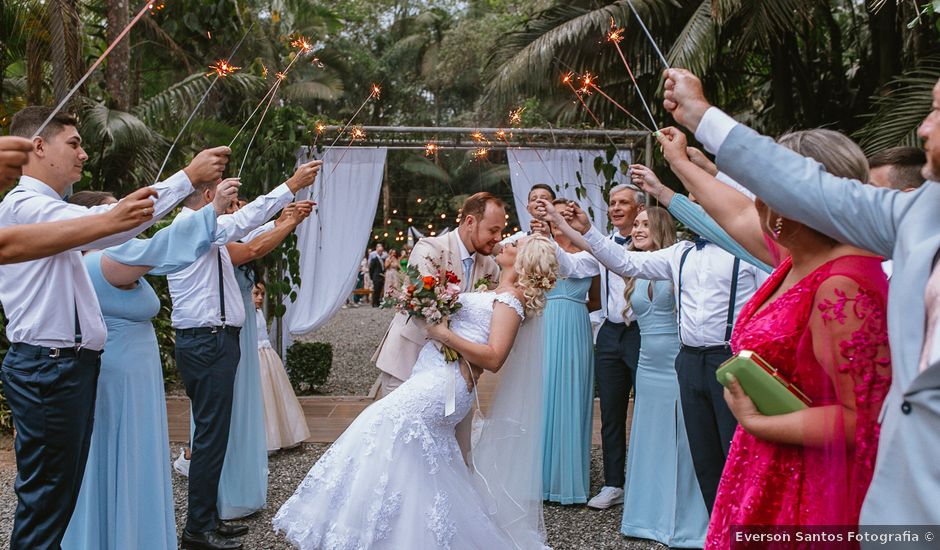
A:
{"x":708,"y":420}
{"x":616,"y":356}
{"x":207,"y":363}
{"x":53,"y":405}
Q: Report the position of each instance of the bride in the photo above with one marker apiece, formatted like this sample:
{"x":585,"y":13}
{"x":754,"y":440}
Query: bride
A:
{"x":396,"y":478}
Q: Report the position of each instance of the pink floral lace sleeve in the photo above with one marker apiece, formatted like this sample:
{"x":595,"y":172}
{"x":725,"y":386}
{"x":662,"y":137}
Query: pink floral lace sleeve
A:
{"x":850,"y":342}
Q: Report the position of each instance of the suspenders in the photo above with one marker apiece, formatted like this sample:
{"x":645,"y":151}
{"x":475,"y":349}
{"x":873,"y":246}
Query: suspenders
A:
{"x":729,"y":326}
{"x":221,"y":290}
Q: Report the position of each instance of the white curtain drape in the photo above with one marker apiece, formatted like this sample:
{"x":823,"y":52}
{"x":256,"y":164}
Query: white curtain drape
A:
{"x":333,"y":239}
{"x":559,"y":169}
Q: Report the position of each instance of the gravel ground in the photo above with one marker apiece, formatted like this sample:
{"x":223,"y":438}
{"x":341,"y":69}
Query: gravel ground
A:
{"x":355,"y":334}
{"x":569,"y":527}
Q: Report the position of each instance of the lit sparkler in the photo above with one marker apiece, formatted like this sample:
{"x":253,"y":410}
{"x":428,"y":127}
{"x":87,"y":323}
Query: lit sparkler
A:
{"x":588,"y":82}
{"x":614,"y":37}
{"x":480,"y":153}
{"x":221,"y":69}
{"x":150,"y":6}
{"x":568,"y":80}
{"x":648,"y":35}
{"x":430,"y":150}
{"x":515,"y":116}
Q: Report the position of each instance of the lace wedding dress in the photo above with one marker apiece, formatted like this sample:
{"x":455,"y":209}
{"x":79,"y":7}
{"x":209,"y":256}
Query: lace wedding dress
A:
{"x":396,"y":478}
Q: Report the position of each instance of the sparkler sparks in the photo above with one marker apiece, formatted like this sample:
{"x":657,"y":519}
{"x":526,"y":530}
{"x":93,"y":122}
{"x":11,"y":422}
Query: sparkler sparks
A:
{"x":588,"y":82}
{"x":430,"y":149}
{"x":515,"y":116}
{"x":616,"y":34}
{"x":357,"y":134}
{"x":222,"y":68}
{"x":156,"y":6}
{"x":480,"y":153}
{"x":302,"y":44}
{"x":376,"y":92}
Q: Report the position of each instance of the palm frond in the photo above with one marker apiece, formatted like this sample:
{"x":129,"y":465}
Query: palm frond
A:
{"x":696,"y":46}
{"x":421,"y":166}
{"x":901,"y":110}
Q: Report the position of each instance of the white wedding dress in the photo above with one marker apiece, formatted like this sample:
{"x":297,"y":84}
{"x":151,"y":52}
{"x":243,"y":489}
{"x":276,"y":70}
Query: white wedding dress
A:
{"x":396,"y":478}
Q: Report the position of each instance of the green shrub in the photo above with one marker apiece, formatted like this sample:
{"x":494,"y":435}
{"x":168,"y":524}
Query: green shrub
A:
{"x":308,"y":365}
{"x":6,"y":417}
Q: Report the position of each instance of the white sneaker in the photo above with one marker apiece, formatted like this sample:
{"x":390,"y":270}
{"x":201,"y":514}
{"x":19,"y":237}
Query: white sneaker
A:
{"x":181,"y":465}
{"x":609,"y":496}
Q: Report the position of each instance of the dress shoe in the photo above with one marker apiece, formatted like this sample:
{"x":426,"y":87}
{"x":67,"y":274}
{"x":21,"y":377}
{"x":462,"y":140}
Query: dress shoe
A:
{"x":208,"y":540}
{"x":229,"y":530}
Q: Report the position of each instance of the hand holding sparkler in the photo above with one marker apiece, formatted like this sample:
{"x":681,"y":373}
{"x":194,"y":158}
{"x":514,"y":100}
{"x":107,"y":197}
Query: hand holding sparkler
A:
{"x":685,"y":98}
{"x":295,"y":213}
{"x":674,"y":145}
{"x":133,"y":210}
{"x":304,"y":176}
{"x":644,"y":178}
{"x":226,"y":193}
{"x":208,"y":165}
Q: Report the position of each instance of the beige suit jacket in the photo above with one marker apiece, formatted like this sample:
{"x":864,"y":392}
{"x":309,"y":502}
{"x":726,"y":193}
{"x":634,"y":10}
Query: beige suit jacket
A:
{"x":398,"y":352}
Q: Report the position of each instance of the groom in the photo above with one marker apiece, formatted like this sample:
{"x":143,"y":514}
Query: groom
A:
{"x":466,"y":252}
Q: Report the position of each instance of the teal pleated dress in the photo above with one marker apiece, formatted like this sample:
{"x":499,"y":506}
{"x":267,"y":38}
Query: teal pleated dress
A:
{"x":126,"y":498}
{"x":243,"y":487}
{"x":568,"y":385}
{"x":662,"y":499}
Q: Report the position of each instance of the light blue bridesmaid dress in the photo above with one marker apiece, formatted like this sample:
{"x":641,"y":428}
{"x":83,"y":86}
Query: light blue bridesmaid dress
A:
{"x":568,"y":396}
{"x":662,"y":499}
{"x":243,"y":487}
{"x":126,"y":499}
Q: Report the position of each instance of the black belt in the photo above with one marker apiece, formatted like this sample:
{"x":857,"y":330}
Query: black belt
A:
{"x":199,"y":331}
{"x":721,"y":348}
{"x":38,"y":352}
{"x":631,"y":326}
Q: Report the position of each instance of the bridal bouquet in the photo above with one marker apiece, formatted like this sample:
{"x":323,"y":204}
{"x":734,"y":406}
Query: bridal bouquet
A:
{"x":429,"y":297}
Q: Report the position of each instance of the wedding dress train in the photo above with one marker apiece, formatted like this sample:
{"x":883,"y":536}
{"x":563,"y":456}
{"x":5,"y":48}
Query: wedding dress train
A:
{"x":396,"y":477}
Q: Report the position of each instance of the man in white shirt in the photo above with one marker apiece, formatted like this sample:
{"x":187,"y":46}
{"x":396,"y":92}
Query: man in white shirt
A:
{"x":711,"y":287}
{"x":617,"y":346}
{"x":538,"y":191}
{"x":55,"y":325}
{"x":208,"y":314}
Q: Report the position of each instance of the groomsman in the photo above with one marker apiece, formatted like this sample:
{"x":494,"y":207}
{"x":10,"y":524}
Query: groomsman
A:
{"x":208,"y":313}
{"x":617,"y":346}
{"x":904,"y":227}
{"x":55,"y":325}
{"x":377,"y":273}
{"x":538,"y":191}
{"x":711,"y":287}
{"x":33,"y":241}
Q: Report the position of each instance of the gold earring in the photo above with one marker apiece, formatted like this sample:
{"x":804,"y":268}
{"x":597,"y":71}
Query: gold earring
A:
{"x":778,"y":227}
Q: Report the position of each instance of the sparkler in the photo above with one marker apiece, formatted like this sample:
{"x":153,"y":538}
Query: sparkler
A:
{"x":356,"y":134}
{"x":648,"y":35}
{"x":568,"y":80}
{"x":430,"y":150}
{"x":374,"y":93}
{"x":614,"y":37}
{"x":588,"y":84}
{"x":221,"y":68}
{"x":304,"y":47}
{"x":501,"y":134}
{"x":151,"y":6}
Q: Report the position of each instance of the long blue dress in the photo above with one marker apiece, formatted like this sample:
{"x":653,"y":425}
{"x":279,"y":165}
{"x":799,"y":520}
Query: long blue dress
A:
{"x":568,"y":385}
{"x":243,"y":487}
{"x":662,"y":499}
{"x":126,"y":499}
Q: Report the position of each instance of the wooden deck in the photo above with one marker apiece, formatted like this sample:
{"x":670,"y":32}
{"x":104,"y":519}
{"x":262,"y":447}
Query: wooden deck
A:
{"x":328,"y":416}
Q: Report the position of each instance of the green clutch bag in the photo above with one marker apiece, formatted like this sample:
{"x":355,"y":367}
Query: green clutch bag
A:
{"x":769,"y":391}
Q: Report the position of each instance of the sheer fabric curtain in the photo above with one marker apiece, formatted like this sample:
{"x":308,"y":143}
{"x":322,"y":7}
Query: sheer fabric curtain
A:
{"x":333,"y":239}
{"x":560,"y":167}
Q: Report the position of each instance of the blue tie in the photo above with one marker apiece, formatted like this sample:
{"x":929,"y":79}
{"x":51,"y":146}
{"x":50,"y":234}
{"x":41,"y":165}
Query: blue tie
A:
{"x":467,"y":272}
{"x":620,"y":240}
{"x":700,"y":242}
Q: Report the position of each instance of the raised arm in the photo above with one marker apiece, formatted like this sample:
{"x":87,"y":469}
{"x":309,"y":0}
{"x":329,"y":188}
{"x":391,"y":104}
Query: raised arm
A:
{"x":794,"y":186}
{"x":22,"y":243}
{"x":491,"y":355}
{"x":262,"y":245}
{"x":233,"y":227}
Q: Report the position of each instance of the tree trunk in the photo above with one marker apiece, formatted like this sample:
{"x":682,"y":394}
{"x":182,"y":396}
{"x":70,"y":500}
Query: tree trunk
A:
{"x":117,"y":73}
{"x":781,"y":84}
{"x":886,"y":42}
{"x":57,"y":49}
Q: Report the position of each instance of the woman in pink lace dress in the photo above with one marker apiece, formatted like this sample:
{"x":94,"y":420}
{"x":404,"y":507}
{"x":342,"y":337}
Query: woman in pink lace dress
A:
{"x":820,"y":320}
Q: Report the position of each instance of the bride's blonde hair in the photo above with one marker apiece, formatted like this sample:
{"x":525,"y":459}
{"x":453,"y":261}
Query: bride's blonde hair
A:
{"x":537,"y":270}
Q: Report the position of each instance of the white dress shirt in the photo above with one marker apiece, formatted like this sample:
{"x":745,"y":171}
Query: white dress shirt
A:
{"x":195,"y":290}
{"x":706,"y":282}
{"x":40,"y":297}
{"x":583,"y":264}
